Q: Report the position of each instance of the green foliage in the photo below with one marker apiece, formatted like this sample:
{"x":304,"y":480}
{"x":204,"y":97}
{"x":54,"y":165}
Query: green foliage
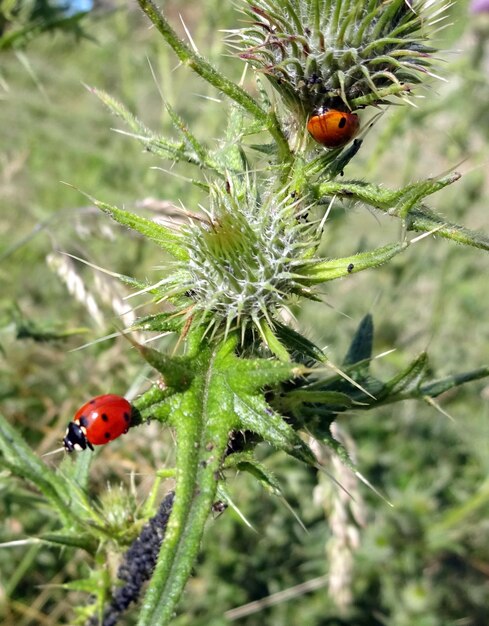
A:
{"x":250,"y":249}
{"x":23,"y":20}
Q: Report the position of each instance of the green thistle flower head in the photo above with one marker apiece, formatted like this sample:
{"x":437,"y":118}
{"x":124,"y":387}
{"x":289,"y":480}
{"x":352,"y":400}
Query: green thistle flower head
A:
{"x":245,"y":259}
{"x":345,"y":55}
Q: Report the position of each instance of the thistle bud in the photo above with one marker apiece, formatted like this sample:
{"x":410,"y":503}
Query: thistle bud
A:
{"x":339,"y":55}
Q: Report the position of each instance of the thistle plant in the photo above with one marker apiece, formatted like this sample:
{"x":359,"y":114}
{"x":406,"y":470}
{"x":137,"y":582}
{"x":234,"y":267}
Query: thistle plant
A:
{"x":244,"y":257}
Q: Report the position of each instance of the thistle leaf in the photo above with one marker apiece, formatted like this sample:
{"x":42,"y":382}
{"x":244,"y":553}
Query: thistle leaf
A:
{"x":323,"y":271}
{"x":18,"y":457}
{"x":164,"y":237}
{"x":410,"y":379}
{"x":361,"y":346}
{"x":225,"y":394}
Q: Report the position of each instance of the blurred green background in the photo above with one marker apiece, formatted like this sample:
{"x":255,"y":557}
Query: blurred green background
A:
{"x":424,"y":562}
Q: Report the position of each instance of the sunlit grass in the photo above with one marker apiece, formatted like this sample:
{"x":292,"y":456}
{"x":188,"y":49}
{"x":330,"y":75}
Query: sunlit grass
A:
{"x":434,"y":299}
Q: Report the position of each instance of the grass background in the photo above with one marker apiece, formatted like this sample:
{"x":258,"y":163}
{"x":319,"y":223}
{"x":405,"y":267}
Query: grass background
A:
{"x":423,"y":562}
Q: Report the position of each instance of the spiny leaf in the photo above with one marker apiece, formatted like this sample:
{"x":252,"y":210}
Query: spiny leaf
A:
{"x":82,"y":584}
{"x":423,"y":219}
{"x":160,"y":322}
{"x":418,"y":216}
{"x":177,"y":371}
{"x":323,"y":271}
{"x":272,"y":342}
{"x":436,"y":387}
{"x":332,"y":400}
{"x":164,"y":237}
{"x":410,"y":379}
{"x":245,"y":462}
{"x":389,"y":200}
{"x":255,"y":415}
{"x":121,"y":111}
{"x":298,"y":343}
{"x":79,"y":471}
{"x":154,"y":143}
{"x":230,"y":152}
{"x":361,"y":346}
{"x":18,"y":457}
{"x":79,"y":540}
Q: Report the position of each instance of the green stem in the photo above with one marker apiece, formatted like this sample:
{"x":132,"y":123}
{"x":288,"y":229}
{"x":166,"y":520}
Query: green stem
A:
{"x":405,"y":203}
{"x":202,"y":437}
{"x":423,"y":220}
{"x":200,"y":65}
{"x":209,"y":73}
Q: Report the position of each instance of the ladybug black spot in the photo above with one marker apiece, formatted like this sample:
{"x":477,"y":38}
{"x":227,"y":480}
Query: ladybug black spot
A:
{"x":342,"y":123}
{"x":107,"y":435}
{"x":83,"y":421}
{"x":127,"y":417}
{"x":92,"y":401}
{"x":105,"y":417}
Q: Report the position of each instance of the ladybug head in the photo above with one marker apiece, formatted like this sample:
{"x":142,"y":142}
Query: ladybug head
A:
{"x":75,"y":438}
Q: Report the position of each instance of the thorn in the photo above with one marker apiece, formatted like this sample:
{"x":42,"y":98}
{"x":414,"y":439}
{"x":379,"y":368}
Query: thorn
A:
{"x":243,"y":75}
{"x":95,"y":341}
{"x":200,"y":95}
{"x":383,"y":354}
{"x":326,"y":215}
{"x":365,"y":481}
{"x":431,"y":232}
{"x":53,"y":452}
{"x":294,"y":514}
{"x":348,"y":378}
{"x":429,"y":400}
{"x":321,"y":468}
{"x":154,"y":80}
{"x":223,"y":495}
{"x":187,"y":32}
{"x":92,"y":265}
{"x":21,"y":542}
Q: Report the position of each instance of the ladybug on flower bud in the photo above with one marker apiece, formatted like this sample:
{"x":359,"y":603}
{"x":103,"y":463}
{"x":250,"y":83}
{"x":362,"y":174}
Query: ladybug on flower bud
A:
{"x":97,"y":422}
{"x":332,"y":128}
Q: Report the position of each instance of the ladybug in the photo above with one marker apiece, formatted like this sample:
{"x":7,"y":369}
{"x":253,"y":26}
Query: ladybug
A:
{"x":98,"y":421}
{"x":332,"y":128}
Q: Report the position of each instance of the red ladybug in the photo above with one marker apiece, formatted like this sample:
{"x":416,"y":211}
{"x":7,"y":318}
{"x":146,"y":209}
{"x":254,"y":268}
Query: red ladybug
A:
{"x":332,"y":128}
{"x":99,"y":421}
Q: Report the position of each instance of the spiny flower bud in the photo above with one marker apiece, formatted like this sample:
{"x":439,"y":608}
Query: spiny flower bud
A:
{"x":243,"y":262}
{"x":340,"y":55}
